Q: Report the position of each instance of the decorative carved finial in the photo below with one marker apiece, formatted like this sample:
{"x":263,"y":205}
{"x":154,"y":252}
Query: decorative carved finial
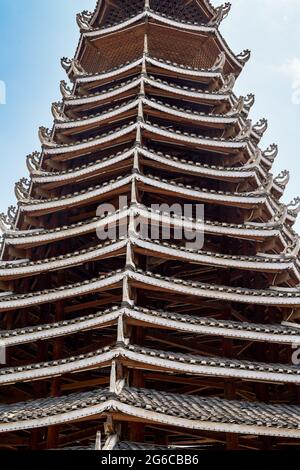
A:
{"x":249,"y":100}
{"x":294,"y":207}
{"x":245,"y":132}
{"x":244,"y":56}
{"x":283,"y":178}
{"x":33,"y":161}
{"x":98,"y":443}
{"x":66,"y":63}
{"x":45,"y":136}
{"x":228,"y":84}
{"x":271,"y":152}
{"x":83,"y":20}
{"x":256,"y":158}
{"x":146,"y":46}
{"x":267,"y":184}
{"x":221,"y":13}
{"x":65,"y":89}
{"x":294,"y":248}
{"x":260,"y":127}
{"x":72,"y":65}
{"x":4,"y":224}
{"x":238,"y":107}
{"x":116,"y":386}
{"x":22,"y":189}
{"x":77,"y":68}
{"x":280,"y":216}
{"x":136,"y":161}
{"x":7,"y":220}
{"x":126,"y":298}
{"x":57,"y":111}
{"x":220,"y":62}
{"x":11,"y":214}
{"x":134,"y":192}
{"x":132,"y":232}
{"x":130,"y":264}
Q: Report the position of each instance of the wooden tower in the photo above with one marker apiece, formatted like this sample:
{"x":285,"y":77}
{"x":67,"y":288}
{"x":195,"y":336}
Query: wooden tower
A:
{"x":182,"y":335}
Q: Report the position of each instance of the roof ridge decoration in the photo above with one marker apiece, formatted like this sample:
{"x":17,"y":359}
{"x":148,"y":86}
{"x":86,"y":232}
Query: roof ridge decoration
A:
{"x":221,"y":13}
{"x":72,"y":66}
{"x":244,"y":56}
{"x":46,"y":137}
{"x":220,"y":62}
{"x":294,"y":207}
{"x":229,"y":83}
{"x":66,"y":91}
{"x":260,"y":127}
{"x":57,"y":110}
{"x":22,"y":188}
{"x":33,"y":161}
{"x":7,"y":221}
{"x":283,"y":178}
{"x":84,"y":20}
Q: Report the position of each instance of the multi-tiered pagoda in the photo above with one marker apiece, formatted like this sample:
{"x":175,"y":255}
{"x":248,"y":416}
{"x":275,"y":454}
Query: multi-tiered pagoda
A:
{"x":135,"y":341}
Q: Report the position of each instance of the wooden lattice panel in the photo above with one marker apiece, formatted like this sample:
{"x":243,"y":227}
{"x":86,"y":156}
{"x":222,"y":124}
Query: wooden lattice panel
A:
{"x":179,"y":9}
{"x":186,"y":49}
{"x":121,"y":10}
{"x":114,"y":50}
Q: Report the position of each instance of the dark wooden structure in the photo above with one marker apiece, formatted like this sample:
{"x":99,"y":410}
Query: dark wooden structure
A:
{"x":149,"y":340}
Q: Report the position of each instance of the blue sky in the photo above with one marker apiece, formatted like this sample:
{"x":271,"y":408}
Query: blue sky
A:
{"x":34,"y":34}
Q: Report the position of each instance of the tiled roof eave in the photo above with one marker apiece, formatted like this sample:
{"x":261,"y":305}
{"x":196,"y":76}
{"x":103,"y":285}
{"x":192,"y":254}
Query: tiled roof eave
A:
{"x":188,"y":412}
{"x":256,"y":231}
{"x":155,"y":359}
{"x":246,"y":171}
{"x":279,"y":297}
{"x":277,"y":334}
{"x":156,"y":16}
{"x":240,"y":199}
{"x":257,"y":263}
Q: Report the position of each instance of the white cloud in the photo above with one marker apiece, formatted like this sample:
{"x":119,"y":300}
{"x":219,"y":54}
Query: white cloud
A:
{"x":291,"y":69}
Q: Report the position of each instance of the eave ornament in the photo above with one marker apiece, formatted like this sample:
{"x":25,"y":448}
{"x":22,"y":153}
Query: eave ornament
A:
{"x":77,"y":68}
{"x":65,"y":89}
{"x":294,"y":248}
{"x":7,"y":221}
{"x":220,"y":62}
{"x":22,"y":189}
{"x":260,"y":127}
{"x":282,"y":179}
{"x":245,"y":132}
{"x":66,"y":63}
{"x":83,"y":20}
{"x":45,"y":136}
{"x":280,"y":216}
{"x":228,"y":84}
{"x":57,"y":111}
{"x":221,"y":13}
{"x":294,"y":207}
{"x":271,"y":152}
{"x":33,"y":161}
{"x":72,"y":66}
{"x":250,"y":100}
{"x":238,"y":107}
{"x":244,"y":56}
